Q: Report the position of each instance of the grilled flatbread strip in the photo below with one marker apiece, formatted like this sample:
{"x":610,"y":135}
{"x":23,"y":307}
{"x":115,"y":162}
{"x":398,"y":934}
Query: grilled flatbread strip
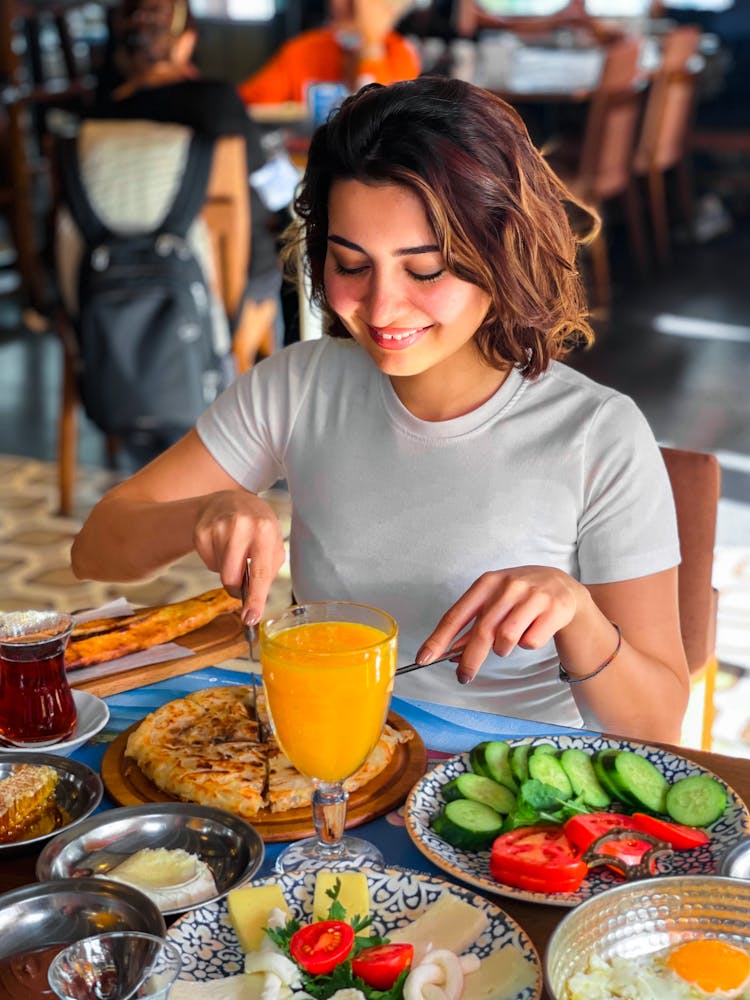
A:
{"x":141,"y":631}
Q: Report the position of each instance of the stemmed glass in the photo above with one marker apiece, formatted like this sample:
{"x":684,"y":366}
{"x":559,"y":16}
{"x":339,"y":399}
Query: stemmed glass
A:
{"x":123,"y":965}
{"x":328,"y":671}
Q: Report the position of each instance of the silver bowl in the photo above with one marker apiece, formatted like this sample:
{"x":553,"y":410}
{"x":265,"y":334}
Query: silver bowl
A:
{"x":736,"y":862}
{"x":231,"y":848}
{"x":640,"y":918}
{"x":79,"y":791}
{"x":43,"y":914}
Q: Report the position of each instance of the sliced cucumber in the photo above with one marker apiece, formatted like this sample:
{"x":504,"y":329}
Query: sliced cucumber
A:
{"x":579,"y":768}
{"x":468,"y":825}
{"x":549,"y":748}
{"x":480,"y":789}
{"x":492,"y":760}
{"x":519,"y":762}
{"x":604,"y":768}
{"x":641,"y":780}
{"x":696,"y":801}
{"x":548,"y":769}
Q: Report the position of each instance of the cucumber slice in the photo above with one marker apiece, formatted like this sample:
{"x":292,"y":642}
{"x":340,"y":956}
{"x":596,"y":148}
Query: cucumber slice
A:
{"x":696,"y":801}
{"x":480,"y":789}
{"x":519,"y":762}
{"x":604,"y":768}
{"x":641,"y":780}
{"x":548,"y":769}
{"x":579,"y":768}
{"x":468,"y":825}
{"x":549,"y":748}
{"x":492,"y":760}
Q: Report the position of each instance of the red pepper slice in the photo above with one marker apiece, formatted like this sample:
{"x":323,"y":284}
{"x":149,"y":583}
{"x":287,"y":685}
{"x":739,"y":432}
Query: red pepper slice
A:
{"x":682,"y":838}
{"x":321,"y":946}
{"x":540,"y":858}
{"x":382,"y":964}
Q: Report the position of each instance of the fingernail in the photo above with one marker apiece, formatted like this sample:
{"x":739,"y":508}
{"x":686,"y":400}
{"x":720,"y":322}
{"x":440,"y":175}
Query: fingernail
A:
{"x":423,"y":656}
{"x":464,"y":679}
{"x":251,"y":618}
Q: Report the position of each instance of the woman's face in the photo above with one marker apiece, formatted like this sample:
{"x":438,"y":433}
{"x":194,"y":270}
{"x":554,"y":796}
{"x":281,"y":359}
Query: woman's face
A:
{"x":385,"y":278}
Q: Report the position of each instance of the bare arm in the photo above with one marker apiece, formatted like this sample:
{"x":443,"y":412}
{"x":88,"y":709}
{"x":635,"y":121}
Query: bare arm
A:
{"x":181,"y":501}
{"x":642,"y":693}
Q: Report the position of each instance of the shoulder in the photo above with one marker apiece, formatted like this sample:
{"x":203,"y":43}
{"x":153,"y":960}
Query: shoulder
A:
{"x":571,"y":390}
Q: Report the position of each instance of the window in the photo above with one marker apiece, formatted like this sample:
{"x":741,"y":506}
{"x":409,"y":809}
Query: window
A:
{"x":234,"y":10}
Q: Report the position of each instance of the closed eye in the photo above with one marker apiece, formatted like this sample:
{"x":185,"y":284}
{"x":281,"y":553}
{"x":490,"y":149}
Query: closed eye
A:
{"x":353,"y":271}
{"x":340,"y":269}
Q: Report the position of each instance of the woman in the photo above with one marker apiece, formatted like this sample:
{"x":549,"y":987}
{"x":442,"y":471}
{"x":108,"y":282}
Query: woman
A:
{"x":154,"y":43}
{"x":440,"y":459}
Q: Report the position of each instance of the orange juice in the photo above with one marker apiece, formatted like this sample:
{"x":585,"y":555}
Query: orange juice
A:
{"x":328,"y":685}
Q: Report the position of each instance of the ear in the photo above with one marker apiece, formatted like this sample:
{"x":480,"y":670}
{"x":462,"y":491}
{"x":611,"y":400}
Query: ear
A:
{"x":184,"y":46}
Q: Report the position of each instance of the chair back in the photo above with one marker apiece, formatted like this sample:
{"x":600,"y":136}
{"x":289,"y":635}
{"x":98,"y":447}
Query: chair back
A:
{"x":696,"y":485}
{"x":663,"y":139}
{"x":611,"y":124}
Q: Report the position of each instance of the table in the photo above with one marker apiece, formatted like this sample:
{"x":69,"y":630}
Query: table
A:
{"x":444,"y":731}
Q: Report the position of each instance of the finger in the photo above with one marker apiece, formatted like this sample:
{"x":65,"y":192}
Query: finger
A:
{"x":474,"y":655}
{"x":266,"y":559}
{"x":511,"y":626}
{"x":541,"y":630}
{"x":456,"y":618}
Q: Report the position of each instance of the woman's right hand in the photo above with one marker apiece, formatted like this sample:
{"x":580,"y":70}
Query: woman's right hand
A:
{"x":233,"y":526}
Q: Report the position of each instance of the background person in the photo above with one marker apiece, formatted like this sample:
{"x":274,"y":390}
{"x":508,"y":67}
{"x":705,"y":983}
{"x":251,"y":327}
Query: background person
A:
{"x":440,"y":458}
{"x":358,"y":46}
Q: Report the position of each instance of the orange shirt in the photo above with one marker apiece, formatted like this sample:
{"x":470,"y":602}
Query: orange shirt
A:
{"x":316,"y":57}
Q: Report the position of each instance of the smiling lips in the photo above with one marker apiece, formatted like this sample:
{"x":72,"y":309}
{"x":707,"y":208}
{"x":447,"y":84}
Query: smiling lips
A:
{"x":393,"y":338}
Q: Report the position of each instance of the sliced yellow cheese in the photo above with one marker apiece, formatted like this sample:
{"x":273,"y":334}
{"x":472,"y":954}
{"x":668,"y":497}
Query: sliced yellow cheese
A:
{"x":501,"y":976}
{"x":449,"y":923}
{"x":249,"y":908}
{"x":354,"y":895}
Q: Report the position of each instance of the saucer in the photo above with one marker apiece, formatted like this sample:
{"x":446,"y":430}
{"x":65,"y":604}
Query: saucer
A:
{"x":93,"y":715}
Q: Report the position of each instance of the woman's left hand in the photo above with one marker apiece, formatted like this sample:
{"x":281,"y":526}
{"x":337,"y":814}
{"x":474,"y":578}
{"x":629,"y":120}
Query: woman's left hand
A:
{"x":524,"y":606}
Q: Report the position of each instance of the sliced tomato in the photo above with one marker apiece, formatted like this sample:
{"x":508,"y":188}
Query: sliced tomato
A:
{"x":321,"y":946}
{"x":629,"y":850}
{"x":583,"y":830}
{"x":682,"y":838}
{"x":382,"y":964}
{"x":537,"y":857}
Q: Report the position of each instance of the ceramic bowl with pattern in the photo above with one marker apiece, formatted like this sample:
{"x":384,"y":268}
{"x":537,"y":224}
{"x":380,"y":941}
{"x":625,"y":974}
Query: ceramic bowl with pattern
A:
{"x":210,"y":949}
{"x":426,"y":800}
{"x":638,"y":919}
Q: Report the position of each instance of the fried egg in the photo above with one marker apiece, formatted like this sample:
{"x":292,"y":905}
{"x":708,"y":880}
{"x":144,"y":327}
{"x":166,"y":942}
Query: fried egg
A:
{"x":705,"y":969}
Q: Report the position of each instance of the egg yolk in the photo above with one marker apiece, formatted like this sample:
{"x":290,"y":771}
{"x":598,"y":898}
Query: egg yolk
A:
{"x":713,"y":966}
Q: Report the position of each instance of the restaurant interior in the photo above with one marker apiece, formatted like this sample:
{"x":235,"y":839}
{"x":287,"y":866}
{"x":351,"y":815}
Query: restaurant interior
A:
{"x":663,"y":153}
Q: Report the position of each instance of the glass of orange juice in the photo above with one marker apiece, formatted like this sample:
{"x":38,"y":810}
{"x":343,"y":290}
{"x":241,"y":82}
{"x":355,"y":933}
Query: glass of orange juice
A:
{"x":328,"y":672}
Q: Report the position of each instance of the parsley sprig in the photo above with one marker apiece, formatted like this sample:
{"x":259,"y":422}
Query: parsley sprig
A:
{"x":342,"y":977}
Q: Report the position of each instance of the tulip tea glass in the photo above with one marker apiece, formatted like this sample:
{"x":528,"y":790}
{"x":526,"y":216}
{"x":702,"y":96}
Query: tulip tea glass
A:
{"x":36,"y":702}
{"x":328,"y":672}
{"x":123,"y":965}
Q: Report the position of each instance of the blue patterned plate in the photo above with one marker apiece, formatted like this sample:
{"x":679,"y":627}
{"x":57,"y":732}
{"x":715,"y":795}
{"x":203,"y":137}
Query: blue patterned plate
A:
{"x":425,"y":800}
{"x":210,"y":948}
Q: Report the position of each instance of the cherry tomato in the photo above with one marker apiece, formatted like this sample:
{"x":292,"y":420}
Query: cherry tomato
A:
{"x":584,"y":829}
{"x":321,"y":946}
{"x":382,"y":964}
{"x":682,"y":838}
{"x":540,"y":858}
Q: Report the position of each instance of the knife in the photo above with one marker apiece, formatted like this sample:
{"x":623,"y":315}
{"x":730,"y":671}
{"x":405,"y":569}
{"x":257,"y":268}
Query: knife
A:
{"x":450,"y":655}
{"x":264,"y":727}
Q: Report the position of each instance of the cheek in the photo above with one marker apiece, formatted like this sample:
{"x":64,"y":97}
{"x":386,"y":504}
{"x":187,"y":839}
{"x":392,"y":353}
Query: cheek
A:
{"x":339,"y":292}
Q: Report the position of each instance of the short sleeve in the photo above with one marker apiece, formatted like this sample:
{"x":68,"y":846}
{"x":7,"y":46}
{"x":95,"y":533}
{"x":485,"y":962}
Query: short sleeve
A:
{"x":628,"y":526}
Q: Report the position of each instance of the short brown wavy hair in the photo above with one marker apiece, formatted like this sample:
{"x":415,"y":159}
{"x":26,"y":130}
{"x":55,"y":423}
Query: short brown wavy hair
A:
{"x":498,"y":211}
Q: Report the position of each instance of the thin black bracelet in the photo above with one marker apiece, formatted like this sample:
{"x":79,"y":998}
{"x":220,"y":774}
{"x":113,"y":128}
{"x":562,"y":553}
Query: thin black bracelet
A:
{"x":563,"y":674}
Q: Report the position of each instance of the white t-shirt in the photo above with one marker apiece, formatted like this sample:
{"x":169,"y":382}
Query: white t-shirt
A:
{"x":406,"y":514}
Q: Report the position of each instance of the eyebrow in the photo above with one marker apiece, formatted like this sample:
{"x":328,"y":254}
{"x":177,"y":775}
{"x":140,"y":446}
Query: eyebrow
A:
{"x":405,"y":252}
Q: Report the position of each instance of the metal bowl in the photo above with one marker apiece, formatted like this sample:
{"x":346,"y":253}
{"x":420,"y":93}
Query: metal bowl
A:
{"x":43,"y":914}
{"x":231,"y":848}
{"x":79,"y":791}
{"x":736,"y":863}
{"x":640,"y":918}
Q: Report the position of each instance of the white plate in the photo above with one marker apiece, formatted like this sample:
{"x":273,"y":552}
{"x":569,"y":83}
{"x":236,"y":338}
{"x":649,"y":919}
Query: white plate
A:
{"x":210,"y":949}
{"x":93,"y":716}
{"x":426,"y":799}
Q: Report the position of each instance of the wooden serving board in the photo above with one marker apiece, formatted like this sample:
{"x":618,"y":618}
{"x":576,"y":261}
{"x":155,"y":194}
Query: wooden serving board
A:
{"x":221,"y":639}
{"x":129,"y":786}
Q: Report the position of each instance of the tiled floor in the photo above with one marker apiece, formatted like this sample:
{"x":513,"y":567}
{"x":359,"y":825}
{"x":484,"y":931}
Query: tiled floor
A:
{"x":679,"y":344}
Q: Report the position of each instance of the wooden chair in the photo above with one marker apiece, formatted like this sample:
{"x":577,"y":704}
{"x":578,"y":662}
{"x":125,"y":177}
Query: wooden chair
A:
{"x":602,"y":162}
{"x":663,"y":144}
{"x":227,"y":216}
{"x":696,"y":484}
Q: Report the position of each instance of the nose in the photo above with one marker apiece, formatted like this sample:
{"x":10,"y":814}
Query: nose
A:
{"x":382,"y":300}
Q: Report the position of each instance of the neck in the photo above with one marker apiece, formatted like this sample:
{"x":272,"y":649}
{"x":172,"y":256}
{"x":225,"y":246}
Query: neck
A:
{"x":454,"y":387}
{"x":156,"y":75}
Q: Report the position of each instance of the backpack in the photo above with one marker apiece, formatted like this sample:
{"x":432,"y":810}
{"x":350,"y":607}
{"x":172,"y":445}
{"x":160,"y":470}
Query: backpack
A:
{"x":144,"y":324}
